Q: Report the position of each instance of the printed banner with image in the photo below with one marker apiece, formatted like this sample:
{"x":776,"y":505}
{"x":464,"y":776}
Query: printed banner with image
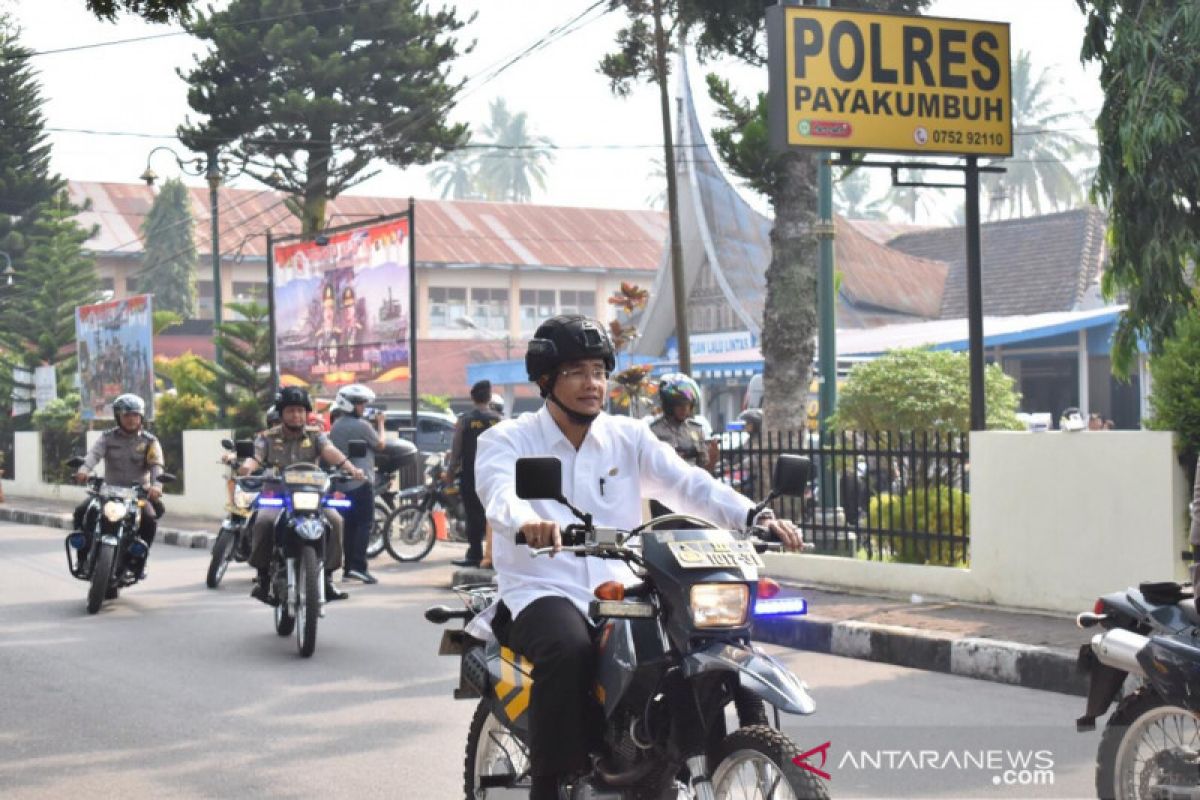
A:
{"x":341,"y":308}
{"x":115,"y":344}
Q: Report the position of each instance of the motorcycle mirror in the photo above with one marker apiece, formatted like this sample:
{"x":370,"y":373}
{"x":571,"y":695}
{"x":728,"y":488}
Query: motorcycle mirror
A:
{"x":166,"y":478}
{"x":539,"y":478}
{"x":227,"y":444}
{"x":244,"y":448}
{"x":791,"y":475}
{"x":75,"y":462}
{"x":358,"y":448}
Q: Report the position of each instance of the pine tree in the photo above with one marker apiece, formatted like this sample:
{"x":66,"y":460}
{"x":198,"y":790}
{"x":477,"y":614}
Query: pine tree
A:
{"x":244,"y":377}
{"x":168,"y":271}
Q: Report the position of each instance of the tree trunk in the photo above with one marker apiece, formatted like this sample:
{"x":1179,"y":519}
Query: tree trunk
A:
{"x":790,"y":316}
{"x":316,"y":185}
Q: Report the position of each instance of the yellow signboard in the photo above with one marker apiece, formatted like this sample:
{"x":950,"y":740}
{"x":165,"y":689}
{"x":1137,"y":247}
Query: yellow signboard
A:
{"x":852,"y":80}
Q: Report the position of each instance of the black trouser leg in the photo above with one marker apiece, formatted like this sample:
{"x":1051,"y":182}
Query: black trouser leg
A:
{"x":552,"y":634}
{"x":476,"y":522}
{"x":356,"y":526}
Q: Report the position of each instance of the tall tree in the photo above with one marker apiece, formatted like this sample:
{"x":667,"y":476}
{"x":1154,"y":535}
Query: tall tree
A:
{"x":1149,"y":172}
{"x":514,"y":158}
{"x":244,"y":378}
{"x":310,"y":93}
{"x":456,"y":175}
{"x":909,"y":200}
{"x":1043,"y":143}
{"x":169,"y":269}
{"x":56,"y":275}
{"x":150,"y":10}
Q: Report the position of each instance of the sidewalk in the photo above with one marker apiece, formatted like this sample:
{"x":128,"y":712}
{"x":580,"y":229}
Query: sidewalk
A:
{"x":1028,"y":649}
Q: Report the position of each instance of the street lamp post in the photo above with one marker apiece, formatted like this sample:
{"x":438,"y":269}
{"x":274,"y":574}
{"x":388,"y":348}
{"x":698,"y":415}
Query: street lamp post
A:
{"x":470,"y":324}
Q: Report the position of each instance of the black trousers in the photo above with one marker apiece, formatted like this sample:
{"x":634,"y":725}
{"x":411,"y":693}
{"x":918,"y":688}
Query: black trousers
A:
{"x":476,"y":521}
{"x":564,"y":718}
{"x":357,"y":522}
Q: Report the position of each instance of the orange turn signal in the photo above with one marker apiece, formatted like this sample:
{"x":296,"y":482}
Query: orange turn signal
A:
{"x":767,"y":588}
{"x":610,"y":590}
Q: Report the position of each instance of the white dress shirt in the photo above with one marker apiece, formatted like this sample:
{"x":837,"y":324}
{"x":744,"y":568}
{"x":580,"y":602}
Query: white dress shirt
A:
{"x":619,"y":462}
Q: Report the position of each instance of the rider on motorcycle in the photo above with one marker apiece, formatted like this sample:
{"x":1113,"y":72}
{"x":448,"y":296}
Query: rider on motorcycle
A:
{"x":608,"y":464}
{"x":289,"y":443}
{"x":131,"y":456}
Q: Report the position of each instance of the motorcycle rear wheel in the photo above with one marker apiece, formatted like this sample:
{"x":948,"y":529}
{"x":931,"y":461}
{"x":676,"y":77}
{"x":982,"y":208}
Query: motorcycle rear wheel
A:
{"x":101,"y":572}
{"x":755,"y":762}
{"x":1141,"y":738}
{"x":409,"y":534}
{"x":221,"y":553}
{"x":495,"y":757}
{"x":376,"y":544}
{"x":308,"y":602}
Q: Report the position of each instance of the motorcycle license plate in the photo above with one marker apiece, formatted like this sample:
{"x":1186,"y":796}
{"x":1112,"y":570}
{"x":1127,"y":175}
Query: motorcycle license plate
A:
{"x":711,"y":555}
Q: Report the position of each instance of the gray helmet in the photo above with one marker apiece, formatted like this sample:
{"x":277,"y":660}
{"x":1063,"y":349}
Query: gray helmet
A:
{"x":348,"y":396}
{"x":128,"y":404}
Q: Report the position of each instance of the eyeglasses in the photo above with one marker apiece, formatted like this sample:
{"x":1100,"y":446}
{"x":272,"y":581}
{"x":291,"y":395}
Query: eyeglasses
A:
{"x":579,"y":374}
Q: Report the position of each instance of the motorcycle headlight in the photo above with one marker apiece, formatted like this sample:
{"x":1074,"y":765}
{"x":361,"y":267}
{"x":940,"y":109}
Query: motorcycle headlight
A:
{"x":310,"y":528}
{"x":720,"y":605}
{"x":114,"y":510}
{"x":243,"y":499}
{"x":306,"y":501}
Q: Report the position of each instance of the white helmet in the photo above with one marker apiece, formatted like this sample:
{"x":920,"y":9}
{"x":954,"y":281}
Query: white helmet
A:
{"x":1071,"y":420}
{"x":497,"y":404}
{"x":347,"y":396}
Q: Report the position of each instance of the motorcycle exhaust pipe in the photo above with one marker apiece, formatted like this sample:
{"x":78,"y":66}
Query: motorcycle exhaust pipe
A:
{"x":1119,"y":648}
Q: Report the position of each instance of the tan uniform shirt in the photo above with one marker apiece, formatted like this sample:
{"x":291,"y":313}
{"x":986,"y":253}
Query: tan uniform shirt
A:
{"x":129,"y":458}
{"x":686,"y":437}
{"x":275,"y":448}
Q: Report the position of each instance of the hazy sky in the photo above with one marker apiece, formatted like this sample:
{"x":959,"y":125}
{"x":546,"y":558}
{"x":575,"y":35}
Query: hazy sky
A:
{"x":131,"y":89}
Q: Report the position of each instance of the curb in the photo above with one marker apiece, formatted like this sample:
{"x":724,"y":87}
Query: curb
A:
{"x":50,"y":519}
{"x":1029,"y":666}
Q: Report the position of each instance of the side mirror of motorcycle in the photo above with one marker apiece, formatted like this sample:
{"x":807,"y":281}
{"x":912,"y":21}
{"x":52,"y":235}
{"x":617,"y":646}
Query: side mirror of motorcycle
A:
{"x":791,"y":475}
{"x":244,"y":449}
{"x":227,"y":444}
{"x":166,"y":478}
{"x":75,"y":462}
{"x":540,"y":478}
{"x":358,"y":448}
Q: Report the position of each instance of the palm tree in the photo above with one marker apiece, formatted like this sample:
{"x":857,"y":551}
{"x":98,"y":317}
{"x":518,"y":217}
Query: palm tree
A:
{"x":456,"y":175}
{"x":850,"y":197}
{"x":514,"y":158}
{"x":911,"y":199}
{"x":1042,"y":144}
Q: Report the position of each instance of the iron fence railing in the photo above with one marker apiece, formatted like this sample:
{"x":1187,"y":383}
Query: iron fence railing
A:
{"x":880,"y":495}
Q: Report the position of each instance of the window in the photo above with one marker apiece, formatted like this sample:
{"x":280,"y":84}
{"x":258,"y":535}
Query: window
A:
{"x":574,"y":302}
{"x":536,"y":305}
{"x":131,"y":286}
{"x":249,"y":291}
{"x":107,"y":284}
{"x":446,"y":304}
{"x":489,"y":309}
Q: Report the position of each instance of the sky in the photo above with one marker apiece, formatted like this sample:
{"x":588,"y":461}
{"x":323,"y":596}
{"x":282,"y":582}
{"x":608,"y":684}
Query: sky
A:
{"x":131,"y":99}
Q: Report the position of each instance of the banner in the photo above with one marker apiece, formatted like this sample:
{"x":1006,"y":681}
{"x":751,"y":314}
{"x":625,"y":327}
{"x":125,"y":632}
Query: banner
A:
{"x":341,"y":307}
{"x":115,"y":344}
{"x":45,"y":385}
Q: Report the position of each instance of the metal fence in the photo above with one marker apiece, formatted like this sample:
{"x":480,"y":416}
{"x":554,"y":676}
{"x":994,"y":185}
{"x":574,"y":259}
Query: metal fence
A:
{"x":8,"y":458}
{"x":888,"y":496}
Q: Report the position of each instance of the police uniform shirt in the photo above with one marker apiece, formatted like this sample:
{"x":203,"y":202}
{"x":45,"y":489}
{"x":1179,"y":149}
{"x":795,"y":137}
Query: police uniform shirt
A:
{"x":687,"y":438}
{"x":129,"y":458}
{"x":619,"y":462}
{"x":346,"y":429}
{"x":273,"y":448}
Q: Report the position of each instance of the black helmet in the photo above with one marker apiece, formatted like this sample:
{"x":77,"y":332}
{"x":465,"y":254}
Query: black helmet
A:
{"x":568,"y":337}
{"x":128,"y":404}
{"x":292,"y":396}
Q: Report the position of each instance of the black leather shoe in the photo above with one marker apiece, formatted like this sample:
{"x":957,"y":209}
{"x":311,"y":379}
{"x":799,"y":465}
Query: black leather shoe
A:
{"x":262,"y":592}
{"x":465,"y":562}
{"x":333,"y":593}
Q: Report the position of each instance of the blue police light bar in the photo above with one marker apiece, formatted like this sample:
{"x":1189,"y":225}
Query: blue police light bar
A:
{"x":779,"y":606}
{"x":335,"y":503}
{"x":271,"y":502}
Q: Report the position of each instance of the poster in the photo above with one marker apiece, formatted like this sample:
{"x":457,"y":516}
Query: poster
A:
{"x":115,"y":344}
{"x":342,"y":308}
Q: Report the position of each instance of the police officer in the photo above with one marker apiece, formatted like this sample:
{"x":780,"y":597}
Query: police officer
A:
{"x":462,"y":456}
{"x":131,"y":457}
{"x":351,"y":405}
{"x":289,"y":443}
{"x":680,"y":398}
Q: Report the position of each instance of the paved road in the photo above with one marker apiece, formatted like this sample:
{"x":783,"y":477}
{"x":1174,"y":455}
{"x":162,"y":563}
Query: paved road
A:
{"x":177,"y":691}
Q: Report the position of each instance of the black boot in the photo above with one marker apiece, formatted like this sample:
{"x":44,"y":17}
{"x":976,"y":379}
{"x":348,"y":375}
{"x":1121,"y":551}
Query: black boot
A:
{"x":332,"y":592}
{"x":262,"y":588}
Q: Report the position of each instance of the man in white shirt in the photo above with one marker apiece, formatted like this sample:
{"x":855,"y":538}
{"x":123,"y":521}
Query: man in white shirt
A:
{"x":608,"y":464}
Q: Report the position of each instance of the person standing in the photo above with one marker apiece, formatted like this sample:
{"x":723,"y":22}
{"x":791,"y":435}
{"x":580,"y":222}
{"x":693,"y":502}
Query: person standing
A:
{"x":351,"y":404}
{"x":462,"y":460}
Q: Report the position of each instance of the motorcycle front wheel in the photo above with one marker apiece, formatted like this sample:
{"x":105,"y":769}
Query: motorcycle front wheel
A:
{"x":101,"y":573}
{"x":308,"y":602}
{"x":285,"y":623}
{"x":408,"y":533}
{"x":221,"y":553}
{"x":755,"y":763}
{"x":375,"y":545}
{"x":1147,"y":745}
{"x":496,"y":759}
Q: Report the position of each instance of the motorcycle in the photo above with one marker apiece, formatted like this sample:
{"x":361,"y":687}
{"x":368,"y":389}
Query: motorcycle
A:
{"x":297,"y":568}
{"x":388,"y":464}
{"x":1150,"y":747}
{"x":673,"y":653}
{"x":115,"y":553}
{"x":233,"y":539}
{"x":409,"y":532}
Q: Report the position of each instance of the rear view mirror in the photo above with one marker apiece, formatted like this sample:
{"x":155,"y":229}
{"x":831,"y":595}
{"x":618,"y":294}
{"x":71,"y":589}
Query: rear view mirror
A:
{"x":244,"y":449}
{"x":358,"y":448}
{"x":539,"y":478}
{"x":227,"y":444}
{"x":166,"y":478}
{"x":75,"y":462}
{"x":791,"y":476}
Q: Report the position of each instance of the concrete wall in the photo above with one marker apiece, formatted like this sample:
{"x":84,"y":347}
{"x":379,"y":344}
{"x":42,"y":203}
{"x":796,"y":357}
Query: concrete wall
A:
{"x":1056,"y":520}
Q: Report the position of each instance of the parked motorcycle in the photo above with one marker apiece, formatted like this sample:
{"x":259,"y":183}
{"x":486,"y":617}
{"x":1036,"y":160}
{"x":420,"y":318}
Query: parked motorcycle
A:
{"x":409,"y":532}
{"x":1150,"y":747}
{"x":234,"y":538}
{"x":673,"y":653}
{"x":395,"y":456}
{"x":297,"y":568}
{"x":115,"y":552}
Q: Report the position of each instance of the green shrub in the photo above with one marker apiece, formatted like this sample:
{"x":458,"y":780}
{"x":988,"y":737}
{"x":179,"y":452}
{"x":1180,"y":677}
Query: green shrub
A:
{"x":1175,"y":402}
{"x":922,"y":510}
{"x":63,"y":435}
{"x":174,"y":414}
